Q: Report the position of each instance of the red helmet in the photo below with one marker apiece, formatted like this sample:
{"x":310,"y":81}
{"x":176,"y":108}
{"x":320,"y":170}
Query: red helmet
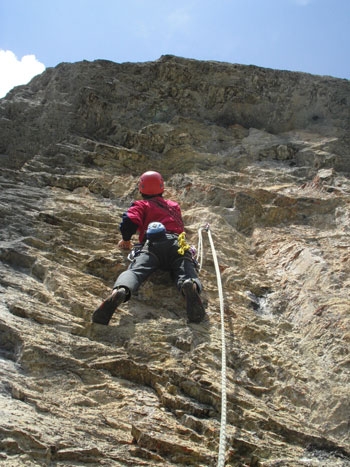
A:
{"x":151,"y":183}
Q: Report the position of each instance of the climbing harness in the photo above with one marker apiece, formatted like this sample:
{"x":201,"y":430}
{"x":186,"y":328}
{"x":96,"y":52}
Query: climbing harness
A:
{"x":136,"y":251}
{"x":222,"y":443}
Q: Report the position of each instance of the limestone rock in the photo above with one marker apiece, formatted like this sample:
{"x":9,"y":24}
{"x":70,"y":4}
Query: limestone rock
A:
{"x":260,"y":155}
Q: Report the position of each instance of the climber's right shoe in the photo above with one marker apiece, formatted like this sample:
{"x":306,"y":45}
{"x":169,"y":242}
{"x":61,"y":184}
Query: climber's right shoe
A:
{"x":194,"y":306}
{"x":104,"y":313}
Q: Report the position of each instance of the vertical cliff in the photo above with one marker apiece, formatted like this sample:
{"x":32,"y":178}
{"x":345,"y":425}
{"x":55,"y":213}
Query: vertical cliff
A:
{"x":263,"y":157}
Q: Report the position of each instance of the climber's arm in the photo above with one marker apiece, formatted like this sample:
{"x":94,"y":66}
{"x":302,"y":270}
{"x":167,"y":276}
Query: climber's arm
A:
{"x":127,"y":227}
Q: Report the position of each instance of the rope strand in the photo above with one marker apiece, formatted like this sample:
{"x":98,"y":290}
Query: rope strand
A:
{"x":222,"y":442}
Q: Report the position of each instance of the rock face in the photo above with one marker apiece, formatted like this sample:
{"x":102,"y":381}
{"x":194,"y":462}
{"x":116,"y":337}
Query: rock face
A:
{"x":263,"y":156}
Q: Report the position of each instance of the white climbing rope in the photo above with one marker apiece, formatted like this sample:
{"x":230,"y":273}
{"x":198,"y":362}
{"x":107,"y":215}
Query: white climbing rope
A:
{"x":200,"y":247}
{"x":222,"y":443}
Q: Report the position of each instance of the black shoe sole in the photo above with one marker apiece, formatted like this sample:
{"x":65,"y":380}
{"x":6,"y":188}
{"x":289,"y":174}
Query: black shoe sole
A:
{"x":194,"y":306}
{"x":104,"y":313}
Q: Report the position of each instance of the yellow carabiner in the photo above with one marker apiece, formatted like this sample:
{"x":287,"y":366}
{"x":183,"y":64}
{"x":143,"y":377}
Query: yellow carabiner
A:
{"x":183,"y":245}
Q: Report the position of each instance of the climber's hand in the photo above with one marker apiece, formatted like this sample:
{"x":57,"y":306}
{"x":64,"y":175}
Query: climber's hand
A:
{"x":125,"y":244}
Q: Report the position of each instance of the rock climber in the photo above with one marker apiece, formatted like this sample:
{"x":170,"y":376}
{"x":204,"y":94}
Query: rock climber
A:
{"x":162,"y":246}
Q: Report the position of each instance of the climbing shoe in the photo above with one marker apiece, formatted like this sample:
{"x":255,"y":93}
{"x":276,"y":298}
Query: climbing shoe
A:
{"x":104,"y":313}
{"x":194,"y":306}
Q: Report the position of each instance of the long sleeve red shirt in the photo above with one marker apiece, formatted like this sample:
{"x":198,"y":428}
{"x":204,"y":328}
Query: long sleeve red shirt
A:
{"x":157,"y":209}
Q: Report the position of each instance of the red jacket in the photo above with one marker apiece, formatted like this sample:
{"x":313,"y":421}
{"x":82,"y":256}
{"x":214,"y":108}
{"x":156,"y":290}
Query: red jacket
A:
{"x":156,"y":209}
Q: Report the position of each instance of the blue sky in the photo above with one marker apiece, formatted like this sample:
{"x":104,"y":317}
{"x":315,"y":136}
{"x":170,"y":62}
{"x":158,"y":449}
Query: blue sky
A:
{"x":311,"y":36}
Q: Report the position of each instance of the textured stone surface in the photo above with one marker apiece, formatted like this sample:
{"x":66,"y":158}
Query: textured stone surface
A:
{"x":263,"y":157}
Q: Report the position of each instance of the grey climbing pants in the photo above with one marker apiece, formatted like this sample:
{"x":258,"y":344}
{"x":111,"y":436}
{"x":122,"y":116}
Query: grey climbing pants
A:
{"x":160,"y":254}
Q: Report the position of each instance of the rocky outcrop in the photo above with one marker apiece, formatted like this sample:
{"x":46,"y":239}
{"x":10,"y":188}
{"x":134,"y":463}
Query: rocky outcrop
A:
{"x":263,"y":157}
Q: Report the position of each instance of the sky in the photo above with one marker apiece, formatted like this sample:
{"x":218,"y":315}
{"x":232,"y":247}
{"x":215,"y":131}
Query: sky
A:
{"x":311,"y":36}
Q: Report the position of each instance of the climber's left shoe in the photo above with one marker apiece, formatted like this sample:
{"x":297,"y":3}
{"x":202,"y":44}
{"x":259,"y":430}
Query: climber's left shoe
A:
{"x":104,"y":313}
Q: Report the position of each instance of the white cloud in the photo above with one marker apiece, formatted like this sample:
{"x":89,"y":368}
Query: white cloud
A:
{"x":15,"y":72}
